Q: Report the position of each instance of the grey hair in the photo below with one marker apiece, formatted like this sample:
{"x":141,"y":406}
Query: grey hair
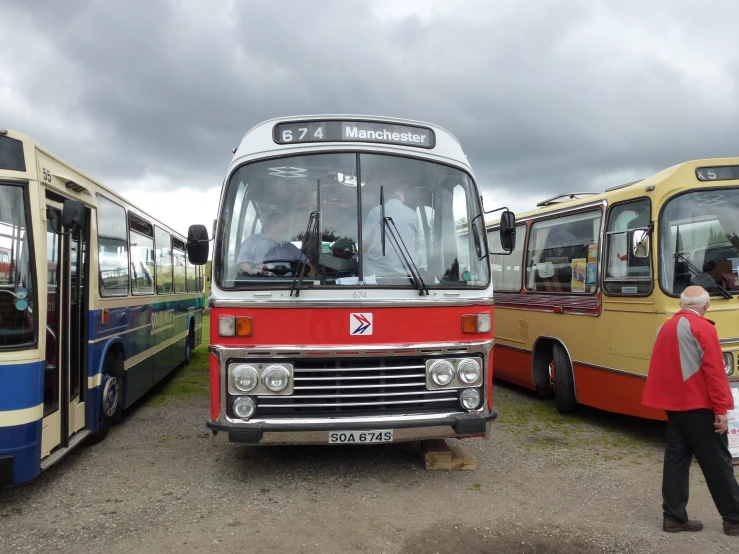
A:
{"x":694,"y":301}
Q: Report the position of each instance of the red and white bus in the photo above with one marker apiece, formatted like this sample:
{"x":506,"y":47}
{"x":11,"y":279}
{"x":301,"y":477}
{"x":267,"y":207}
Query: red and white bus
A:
{"x":351,"y":301}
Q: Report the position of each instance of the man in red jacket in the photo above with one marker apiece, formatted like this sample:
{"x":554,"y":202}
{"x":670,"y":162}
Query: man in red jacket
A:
{"x":687,"y":380}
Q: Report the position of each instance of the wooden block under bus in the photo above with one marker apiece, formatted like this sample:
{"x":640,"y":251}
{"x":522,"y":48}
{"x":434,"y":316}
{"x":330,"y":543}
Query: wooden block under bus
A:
{"x":436,"y":450}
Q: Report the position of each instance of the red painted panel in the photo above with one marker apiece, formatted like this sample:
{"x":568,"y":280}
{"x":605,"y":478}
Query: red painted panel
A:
{"x":513,"y":366}
{"x":331,"y":326}
{"x":215,"y":389}
{"x":613,"y":392}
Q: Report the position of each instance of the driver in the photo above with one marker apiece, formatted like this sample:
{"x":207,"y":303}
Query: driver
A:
{"x":406,"y":222}
{"x":270,"y":245}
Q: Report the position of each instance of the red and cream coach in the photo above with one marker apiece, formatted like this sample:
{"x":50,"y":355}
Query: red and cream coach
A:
{"x":351,"y":293}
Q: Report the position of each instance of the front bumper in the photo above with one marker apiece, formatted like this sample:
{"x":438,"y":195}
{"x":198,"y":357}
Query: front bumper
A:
{"x":315,"y":431}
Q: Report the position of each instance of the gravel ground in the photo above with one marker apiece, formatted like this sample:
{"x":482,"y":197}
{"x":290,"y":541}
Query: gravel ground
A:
{"x":544,"y":483}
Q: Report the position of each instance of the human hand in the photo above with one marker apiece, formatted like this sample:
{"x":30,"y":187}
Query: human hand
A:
{"x":721,"y":424}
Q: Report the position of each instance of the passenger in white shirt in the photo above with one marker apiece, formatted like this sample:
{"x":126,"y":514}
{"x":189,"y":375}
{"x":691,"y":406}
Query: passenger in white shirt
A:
{"x":406,"y":222}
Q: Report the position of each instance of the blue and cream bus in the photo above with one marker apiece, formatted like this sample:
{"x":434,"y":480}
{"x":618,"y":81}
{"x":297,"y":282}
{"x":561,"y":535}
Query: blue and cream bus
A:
{"x":99,"y":303}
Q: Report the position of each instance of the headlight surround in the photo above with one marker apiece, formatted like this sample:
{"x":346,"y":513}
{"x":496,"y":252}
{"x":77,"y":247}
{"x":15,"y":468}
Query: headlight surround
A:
{"x":728,"y":363}
{"x":441,"y":373}
{"x":245,"y":377}
{"x":470,"y":399}
{"x":244,"y":407}
{"x":469,"y":372}
{"x":276,"y":378}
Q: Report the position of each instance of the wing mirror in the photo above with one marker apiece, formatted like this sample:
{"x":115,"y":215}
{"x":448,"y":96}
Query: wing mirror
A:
{"x":508,"y":231}
{"x":640,"y":243}
{"x":73,"y":215}
{"x":197,"y":244}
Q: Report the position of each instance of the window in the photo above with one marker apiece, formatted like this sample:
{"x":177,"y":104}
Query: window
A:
{"x":563,"y":254}
{"x":699,"y":241}
{"x":11,"y":154}
{"x":506,"y":268}
{"x":163,"y":260}
{"x":141,"y":241}
{"x":16,"y":312}
{"x":268,"y":205}
{"x":431,"y":206}
{"x":112,"y":248}
{"x":192,"y":278}
{"x":178,"y":256}
{"x":624,"y":273}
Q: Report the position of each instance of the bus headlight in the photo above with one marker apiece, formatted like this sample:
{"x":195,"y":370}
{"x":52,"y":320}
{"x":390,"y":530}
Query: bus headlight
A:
{"x":441,"y":373}
{"x":244,"y":377}
{"x":469,"y":399}
{"x":468,"y":372}
{"x":244,"y":407}
{"x":728,"y":363}
{"x":276,"y":378}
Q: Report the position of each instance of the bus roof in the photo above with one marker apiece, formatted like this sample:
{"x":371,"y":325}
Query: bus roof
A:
{"x":658,"y":187}
{"x":31,"y":173}
{"x":260,"y":142}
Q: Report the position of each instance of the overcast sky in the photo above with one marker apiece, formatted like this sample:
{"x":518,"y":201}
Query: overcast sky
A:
{"x":150,"y":96}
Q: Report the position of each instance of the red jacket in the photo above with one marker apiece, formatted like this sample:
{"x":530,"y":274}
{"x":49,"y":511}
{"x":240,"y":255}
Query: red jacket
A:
{"x":687,"y":367}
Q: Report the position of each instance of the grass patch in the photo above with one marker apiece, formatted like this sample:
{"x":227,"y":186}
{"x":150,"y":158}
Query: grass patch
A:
{"x":590,"y":433}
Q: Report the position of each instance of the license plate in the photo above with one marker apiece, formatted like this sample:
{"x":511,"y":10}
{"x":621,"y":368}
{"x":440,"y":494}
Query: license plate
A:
{"x":359,"y":437}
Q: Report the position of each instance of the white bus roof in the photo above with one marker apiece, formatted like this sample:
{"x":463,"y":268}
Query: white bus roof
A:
{"x":259,"y":141}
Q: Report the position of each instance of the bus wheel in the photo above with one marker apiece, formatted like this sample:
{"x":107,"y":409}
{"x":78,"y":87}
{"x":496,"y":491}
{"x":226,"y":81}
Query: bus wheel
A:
{"x":111,"y":400}
{"x":563,"y":381}
{"x":189,"y":345}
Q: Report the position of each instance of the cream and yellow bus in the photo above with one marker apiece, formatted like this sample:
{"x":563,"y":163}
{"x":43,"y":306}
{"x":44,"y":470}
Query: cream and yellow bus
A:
{"x":593,"y":276}
{"x":97,"y":303}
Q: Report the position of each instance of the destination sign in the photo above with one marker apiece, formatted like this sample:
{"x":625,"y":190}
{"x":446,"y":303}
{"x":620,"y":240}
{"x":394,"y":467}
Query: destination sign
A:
{"x":720,"y":173}
{"x":353,"y":131}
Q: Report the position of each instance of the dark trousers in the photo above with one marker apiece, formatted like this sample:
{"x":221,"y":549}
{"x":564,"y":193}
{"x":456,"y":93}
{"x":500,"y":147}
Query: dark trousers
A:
{"x":692,"y":433}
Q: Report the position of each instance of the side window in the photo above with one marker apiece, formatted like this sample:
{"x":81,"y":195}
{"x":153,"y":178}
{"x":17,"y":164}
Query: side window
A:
{"x":178,"y":257}
{"x":164,"y":260}
{"x":192,"y":278}
{"x":563,"y":254}
{"x":112,"y":248}
{"x":506,"y":269}
{"x":141,"y":240}
{"x":625,"y":273}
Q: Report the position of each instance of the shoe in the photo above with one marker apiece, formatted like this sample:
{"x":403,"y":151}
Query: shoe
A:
{"x":692,"y":526}
{"x":731,"y":529}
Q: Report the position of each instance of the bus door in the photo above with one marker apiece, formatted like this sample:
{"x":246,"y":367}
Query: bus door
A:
{"x":65,"y":376}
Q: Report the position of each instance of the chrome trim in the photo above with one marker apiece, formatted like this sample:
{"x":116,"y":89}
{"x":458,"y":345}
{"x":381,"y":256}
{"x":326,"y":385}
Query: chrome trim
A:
{"x":355,"y":351}
{"x":385,"y":385}
{"x":379,"y":420}
{"x":371,"y":395}
{"x":390,"y":302}
{"x":377,"y":377}
{"x":473,"y":348}
{"x":347,"y":404}
{"x":349,"y":369}
{"x":728,"y":340}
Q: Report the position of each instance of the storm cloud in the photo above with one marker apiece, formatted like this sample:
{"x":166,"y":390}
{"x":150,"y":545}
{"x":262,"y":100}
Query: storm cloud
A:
{"x":546,"y":97}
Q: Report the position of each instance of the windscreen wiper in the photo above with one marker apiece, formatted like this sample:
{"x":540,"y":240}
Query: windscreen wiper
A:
{"x":310,"y":231}
{"x":694,"y":270}
{"x":388,"y":228}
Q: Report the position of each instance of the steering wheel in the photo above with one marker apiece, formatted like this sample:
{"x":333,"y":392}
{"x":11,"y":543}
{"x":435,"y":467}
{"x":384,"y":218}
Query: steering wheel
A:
{"x":281,"y":271}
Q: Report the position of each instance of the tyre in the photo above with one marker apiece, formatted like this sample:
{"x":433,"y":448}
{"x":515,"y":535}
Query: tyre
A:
{"x":189,"y":345}
{"x":563,"y":381}
{"x":111,"y":399}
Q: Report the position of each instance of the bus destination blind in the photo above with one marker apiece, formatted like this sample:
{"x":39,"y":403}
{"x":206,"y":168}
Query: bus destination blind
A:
{"x":719,"y":173}
{"x":353,"y":131}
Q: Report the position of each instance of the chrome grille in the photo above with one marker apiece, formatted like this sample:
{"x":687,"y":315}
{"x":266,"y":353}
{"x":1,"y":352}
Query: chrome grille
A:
{"x":339,"y":386}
